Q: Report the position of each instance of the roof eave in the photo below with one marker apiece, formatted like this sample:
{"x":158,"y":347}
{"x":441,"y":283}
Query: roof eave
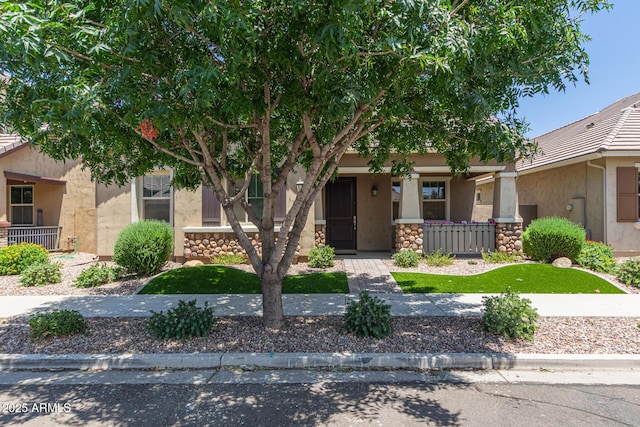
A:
{"x":561,"y":163}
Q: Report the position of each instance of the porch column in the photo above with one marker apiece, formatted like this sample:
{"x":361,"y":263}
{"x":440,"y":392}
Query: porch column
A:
{"x":409,"y":233}
{"x":4,"y":233}
{"x":505,"y":213}
{"x":320,"y":222}
{"x":410,"y":198}
{"x":135,"y":216}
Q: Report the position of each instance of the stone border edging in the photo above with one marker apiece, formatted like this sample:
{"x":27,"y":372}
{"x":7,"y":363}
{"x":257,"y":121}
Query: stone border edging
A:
{"x":485,"y":361}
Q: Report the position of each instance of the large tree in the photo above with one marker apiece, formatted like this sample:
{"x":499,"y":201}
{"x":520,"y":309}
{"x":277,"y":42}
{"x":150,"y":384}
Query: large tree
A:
{"x":221,"y":90}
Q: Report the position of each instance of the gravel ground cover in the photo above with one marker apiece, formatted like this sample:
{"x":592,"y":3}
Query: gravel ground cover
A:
{"x":314,"y":334}
{"x":327,"y":334}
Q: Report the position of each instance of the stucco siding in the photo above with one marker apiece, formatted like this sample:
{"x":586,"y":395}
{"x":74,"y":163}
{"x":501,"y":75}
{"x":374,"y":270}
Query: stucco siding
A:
{"x":554,"y":191}
{"x":483,"y":202}
{"x":462,"y":196}
{"x":62,"y":205}
{"x":114,"y":213}
{"x":187,"y":212}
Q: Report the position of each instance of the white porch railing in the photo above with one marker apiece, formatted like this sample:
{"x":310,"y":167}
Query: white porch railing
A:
{"x":459,"y":238}
{"x":46,"y":236}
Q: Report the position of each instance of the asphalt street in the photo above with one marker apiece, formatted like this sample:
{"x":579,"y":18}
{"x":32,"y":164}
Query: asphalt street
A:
{"x":286,"y":398}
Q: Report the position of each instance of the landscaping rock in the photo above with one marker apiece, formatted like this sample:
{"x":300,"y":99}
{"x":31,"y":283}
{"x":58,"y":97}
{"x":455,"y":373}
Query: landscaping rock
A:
{"x":562,"y":262}
{"x":193,"y":263}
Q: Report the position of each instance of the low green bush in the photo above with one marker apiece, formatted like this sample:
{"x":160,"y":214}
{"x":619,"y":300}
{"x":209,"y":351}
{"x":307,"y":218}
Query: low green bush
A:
{"x":229,"y":259}
{"x":96,"y":275}
{"x":183,"y":322}
{"x":368,"y":317}
{"x":629,"y":272}
{"x":509,"y":315}
{"x":56,"y":323}
{"x":497,"y":257}
{"x":41,"y":274}
{"x":15,"y":258}
{"x":439,"y":259}
{"x":143,"y":247}
{"x":546,"y":239}
{"x":406,"y":259}
{"x":321,"y":257}
{"x":596,"y":256}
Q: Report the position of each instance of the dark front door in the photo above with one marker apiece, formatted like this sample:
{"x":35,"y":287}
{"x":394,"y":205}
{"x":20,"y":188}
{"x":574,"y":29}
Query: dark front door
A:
{"x":341,"y":213}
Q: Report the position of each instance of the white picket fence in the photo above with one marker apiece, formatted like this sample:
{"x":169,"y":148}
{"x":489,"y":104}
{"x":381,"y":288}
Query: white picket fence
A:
{"x":459,"y":238}
{"x":46,"y":236}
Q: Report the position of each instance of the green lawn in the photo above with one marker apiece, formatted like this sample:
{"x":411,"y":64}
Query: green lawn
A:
{"x":524,"y":278}
{"x":216,"y":279}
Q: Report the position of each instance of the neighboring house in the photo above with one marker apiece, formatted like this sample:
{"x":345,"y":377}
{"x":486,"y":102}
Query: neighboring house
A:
{"x":588,"y":172}
{"x":356,"y":212}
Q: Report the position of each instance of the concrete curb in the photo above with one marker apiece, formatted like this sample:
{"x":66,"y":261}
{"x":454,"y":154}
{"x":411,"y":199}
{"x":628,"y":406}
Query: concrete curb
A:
{"x":486,"y":361}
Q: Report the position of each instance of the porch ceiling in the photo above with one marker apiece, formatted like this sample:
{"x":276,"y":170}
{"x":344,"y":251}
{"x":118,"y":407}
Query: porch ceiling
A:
{"x":33,"y":178}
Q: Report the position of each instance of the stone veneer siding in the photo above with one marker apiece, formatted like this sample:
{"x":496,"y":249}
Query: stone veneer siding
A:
{"x":321,"y":236}
{"x":207,"y":245}
{"x":409,"y":237}
{"x":4,"y":233}
{"x":509,"y":238}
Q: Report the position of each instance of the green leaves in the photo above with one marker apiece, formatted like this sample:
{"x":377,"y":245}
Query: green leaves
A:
{"x":185,"y":321}
{"x":368,"y":317}
{"x":510,"y":315}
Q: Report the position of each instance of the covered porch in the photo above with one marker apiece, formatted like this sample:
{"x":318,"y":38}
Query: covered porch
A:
{"x":429,"y":210}
{"x":33,"y":207}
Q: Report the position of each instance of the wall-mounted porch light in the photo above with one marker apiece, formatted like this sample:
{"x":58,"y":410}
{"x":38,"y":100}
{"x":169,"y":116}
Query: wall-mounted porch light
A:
{"x":299,"y":184}
{"x":374,"y":190}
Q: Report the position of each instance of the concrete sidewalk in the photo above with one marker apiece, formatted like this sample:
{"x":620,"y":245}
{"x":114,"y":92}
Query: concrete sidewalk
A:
{"x":562,"y":305}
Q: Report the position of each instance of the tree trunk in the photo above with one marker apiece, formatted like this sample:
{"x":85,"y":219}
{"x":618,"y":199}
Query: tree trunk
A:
{"x":272,"y":312}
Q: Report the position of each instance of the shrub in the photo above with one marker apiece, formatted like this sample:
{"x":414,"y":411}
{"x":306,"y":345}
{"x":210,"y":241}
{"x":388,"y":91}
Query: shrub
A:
{"x":509,"y":315}
{"x":15,"y":258}
{"x":229,"y":259}
{"x":368,"y":317}
{"x":406,"y":259}
{"x":629,"y":272}
{"x":56,"y":323}
{"x":596,"y":256}
{"x":321,"y":257}
{"x":438,"y":258}
{"x":41,"y":274}
{"x":497,"y":257}
{"x":143,"y":247}
{"x":183,"y":322}
{"x":546,"y":239}
{"x":96,"y":275}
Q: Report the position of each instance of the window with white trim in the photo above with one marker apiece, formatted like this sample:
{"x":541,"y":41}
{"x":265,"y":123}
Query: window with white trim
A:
{"x":156,"y":196}
{"x":21,"y":204}
{"x":434,"y":198}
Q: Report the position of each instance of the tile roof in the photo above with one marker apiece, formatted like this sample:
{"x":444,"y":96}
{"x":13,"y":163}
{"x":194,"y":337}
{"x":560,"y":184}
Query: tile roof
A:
{"x":8,"y":142}
{"x":615,"y":128}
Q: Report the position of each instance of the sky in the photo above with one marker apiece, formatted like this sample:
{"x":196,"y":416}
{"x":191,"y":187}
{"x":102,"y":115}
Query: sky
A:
{"x":614,"y":71}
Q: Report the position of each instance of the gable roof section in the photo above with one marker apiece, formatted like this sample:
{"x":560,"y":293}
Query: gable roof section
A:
{"x":616,"y":128}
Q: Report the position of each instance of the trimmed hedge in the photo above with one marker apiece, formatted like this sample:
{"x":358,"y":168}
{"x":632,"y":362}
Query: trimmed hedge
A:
{"x":546,"y":239}
{"x":143,"y":247}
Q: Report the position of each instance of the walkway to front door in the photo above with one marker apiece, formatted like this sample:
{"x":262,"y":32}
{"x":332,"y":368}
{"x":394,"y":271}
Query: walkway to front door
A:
{"x":369,"y":274}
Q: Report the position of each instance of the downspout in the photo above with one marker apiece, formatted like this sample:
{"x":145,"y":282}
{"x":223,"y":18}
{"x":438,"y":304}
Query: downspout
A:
{"x":604,"y":195}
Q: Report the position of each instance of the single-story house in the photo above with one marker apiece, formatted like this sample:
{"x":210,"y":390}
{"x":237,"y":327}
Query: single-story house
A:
{"x":588,"y":172}
{"x":57,"y":204}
